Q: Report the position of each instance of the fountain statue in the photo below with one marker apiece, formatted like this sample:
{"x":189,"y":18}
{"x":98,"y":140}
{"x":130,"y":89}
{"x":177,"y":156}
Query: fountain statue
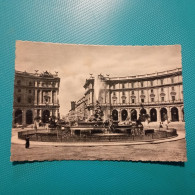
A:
{"x":98,"y":113}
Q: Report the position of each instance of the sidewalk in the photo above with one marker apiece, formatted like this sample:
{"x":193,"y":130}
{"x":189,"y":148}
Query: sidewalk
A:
{"x":181,"y":135}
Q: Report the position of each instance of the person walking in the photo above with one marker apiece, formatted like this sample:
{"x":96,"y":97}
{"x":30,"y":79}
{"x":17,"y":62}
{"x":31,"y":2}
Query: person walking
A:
{"x":27,"y":145}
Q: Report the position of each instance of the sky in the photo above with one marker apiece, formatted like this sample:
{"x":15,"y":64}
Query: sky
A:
{"x":75,"y":63}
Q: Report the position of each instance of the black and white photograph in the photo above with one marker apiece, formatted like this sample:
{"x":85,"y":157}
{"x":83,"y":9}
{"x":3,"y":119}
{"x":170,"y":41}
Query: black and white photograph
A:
{"x":93,"y":102}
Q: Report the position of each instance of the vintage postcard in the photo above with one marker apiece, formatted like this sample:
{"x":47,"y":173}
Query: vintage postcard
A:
{"x":89,"y":102}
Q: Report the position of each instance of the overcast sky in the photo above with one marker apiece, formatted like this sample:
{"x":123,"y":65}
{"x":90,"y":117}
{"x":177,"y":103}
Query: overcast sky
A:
{"x":74,"y":63}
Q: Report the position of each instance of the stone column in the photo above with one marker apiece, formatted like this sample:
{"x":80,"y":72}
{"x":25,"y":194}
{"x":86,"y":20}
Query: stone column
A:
{"x":40,"y":113}
{"x":138,"y":112}
{"x":40,"y":96}
{"x":168,"y":114}
{"x":23,"y":117}
{"x":51,"y":95}
{"x":158,"y":114}
{"x":57,"y":97}
{"x":35,"y":97}
{"x":56,"y":113}
{"x":119,"y":115}
{"x":180,"y":114}
{"x":129,"y":113}
{"x":35,"y":114}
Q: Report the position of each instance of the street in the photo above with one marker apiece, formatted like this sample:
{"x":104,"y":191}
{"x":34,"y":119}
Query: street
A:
{"x":168,"y":151}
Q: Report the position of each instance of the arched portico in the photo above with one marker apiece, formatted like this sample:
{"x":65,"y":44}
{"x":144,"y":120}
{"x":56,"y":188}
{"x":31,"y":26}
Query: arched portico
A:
{"x":18,"y":117}
{"x":115,"y":115}
{"x":142,"y":114}
{"x":163,"y":114}
{"x":29,"y":117}
{"x":124,"y":115}
{"x":133,"y":115}
{"x":174,"y":114}
{"x":153,"y":115}
{"x":45,"y":116}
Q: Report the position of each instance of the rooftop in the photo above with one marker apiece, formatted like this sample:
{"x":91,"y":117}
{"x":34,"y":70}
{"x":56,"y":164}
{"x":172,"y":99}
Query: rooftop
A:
{"x":135,"y":77}
{"x":44,"y":74}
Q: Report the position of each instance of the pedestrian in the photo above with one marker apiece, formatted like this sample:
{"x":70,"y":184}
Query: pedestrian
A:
{"x":27,"y":145}
{"x":35,"y":125}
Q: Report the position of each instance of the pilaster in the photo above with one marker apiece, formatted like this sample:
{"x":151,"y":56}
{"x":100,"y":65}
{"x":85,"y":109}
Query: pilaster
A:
{"x":23,"y":117}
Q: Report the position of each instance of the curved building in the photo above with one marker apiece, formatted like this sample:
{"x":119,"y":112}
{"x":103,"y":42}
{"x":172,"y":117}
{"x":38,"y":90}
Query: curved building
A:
{"x":35,"y":95}
{"x":160,"y":95}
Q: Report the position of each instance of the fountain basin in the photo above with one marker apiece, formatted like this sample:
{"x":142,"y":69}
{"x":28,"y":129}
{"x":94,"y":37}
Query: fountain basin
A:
{"x":65,"y":136}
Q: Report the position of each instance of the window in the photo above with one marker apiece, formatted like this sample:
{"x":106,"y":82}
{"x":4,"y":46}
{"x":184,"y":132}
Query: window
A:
{"x":161,"y":81}
{"x":29,"y":100}
{"x":123,"y":101}
{"x":133,"y":101}
{"x":19,"y":90}
{"x":123,"y":85}
{"x":132,"y":92}
{"x":173,"y":98}
{"x":132,"y":85}
{"x":142,"y":100}
{"x":142,"y":91}
{"x":142,"y":83}
{"x":43,"y":84}
{"x":29,"y":91}
{"x":53,"y":84}
{"x":19,"y":82}
{"x":151,"y":83}
{"x":19,"y":99}
{"x":114,"y":93}
{"x":172,"y":80}
{"x":152,"y":99}
{"x":162,"y":89}
{"x":162,"y":99}
{"x":152,"y":91}
{"x":30,"y":83}
{"x":172,"y":88}
{"x":123,"y":93}
{"x":114,"y":101}
{"x":113,"y":86}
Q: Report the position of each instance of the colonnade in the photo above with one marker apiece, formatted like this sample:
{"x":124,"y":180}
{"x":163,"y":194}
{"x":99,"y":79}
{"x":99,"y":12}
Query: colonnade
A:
{"x":25,"y":116}
{"x":156,"y":114}
{"x":39,"y":97}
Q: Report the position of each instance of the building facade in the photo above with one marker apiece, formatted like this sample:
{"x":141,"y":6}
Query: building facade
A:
{"x":159,"y":95}
{"x":35,"y":96}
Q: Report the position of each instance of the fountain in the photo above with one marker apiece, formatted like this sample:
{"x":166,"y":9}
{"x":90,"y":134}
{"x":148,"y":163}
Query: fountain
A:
{"x":98,"y":114}
{"x":96,"y":129}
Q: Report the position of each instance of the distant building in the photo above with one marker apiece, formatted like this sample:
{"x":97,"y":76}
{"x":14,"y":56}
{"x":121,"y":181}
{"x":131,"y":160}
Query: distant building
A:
{"x":35,"y":95}
{"x":160,"y":95}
